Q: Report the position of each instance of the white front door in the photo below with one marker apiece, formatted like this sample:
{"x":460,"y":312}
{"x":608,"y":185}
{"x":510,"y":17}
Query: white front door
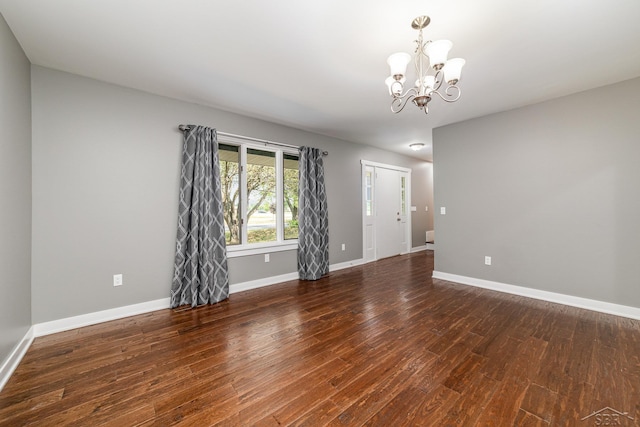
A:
{"x":386,"y":222}
{"x":391,"y":215}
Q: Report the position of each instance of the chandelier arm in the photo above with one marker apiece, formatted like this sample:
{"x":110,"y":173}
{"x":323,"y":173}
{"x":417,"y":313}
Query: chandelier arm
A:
{"x":399,"y":102}
{"x":450,"y":97}
{"x":439,"y":78}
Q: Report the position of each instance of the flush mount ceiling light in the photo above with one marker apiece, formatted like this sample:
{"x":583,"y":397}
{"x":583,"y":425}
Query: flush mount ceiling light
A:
{"x":432,"y":70}
{"x":417,"y":146}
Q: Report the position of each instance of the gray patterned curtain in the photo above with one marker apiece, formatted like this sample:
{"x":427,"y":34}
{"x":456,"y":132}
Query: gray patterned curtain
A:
{"x":313,"y":218}
{"x":200,"y":275}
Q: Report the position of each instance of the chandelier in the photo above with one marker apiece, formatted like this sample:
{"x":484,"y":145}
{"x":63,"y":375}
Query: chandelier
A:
{"x":432,"y":70}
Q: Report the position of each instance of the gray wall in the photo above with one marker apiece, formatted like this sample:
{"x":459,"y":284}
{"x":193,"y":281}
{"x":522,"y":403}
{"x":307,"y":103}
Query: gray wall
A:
{"x":15,"y":192}
{"x":550,"y":192}
{"x":106,"y":165}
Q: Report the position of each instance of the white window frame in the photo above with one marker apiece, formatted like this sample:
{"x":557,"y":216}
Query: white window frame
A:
{"x":245,"y":249}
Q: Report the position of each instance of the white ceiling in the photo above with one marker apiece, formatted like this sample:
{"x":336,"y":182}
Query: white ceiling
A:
{"x":320,"y":66}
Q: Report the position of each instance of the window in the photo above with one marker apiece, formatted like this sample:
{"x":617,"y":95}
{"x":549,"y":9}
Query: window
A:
{"x":230,"y":186}
{"x":260,"y":196}
{"x":368,"y":185}
{"x":403,"y":195}
{"x":290,"y":211}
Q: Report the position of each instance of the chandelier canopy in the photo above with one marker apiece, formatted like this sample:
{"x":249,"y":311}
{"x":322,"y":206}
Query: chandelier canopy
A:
{"x":432,"y":70}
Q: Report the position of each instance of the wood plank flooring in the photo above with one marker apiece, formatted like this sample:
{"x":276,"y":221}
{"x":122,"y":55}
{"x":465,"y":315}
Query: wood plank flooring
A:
{"x":378,"y":345}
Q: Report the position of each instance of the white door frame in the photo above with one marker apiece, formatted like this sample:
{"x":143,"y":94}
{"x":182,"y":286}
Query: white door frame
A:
{"x":364,"y":165}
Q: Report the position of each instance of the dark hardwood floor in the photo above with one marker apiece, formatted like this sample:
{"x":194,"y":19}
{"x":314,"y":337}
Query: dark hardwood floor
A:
{"x":380,"y":345}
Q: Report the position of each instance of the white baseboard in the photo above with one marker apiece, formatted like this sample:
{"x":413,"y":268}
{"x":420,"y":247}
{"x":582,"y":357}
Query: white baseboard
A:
{"x":11,"y":362}
{"x":589,"y":304}
{"x":419,"y":248}
{"x":259,"y":283}
{"x":431,"y":246}
{"x":343,"y":265}
{"x":66,"y":324}
{"x":254,"y":284}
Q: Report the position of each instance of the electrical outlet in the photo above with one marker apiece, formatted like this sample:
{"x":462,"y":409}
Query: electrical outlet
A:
{"x":443,"y":210}
{"x":487,"y":260}
{"x":266,"y":257}
{"x":343,"y":247}
{"x":117,"y":280}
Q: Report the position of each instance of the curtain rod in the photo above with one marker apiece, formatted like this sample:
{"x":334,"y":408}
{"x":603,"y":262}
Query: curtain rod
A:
{"x":261,"y":141}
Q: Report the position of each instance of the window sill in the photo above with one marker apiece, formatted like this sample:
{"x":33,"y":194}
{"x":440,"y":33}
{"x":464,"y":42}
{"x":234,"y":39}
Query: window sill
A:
{"x":261,"y":248}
